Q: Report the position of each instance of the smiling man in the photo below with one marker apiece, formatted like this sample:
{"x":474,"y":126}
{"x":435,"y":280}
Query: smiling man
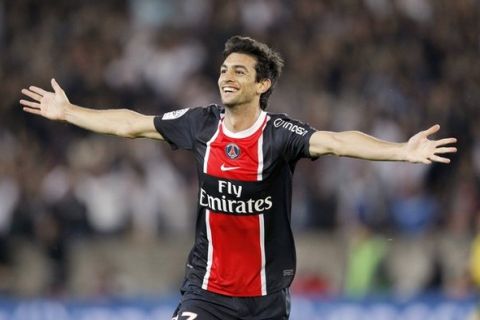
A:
{"x":243,"y":259}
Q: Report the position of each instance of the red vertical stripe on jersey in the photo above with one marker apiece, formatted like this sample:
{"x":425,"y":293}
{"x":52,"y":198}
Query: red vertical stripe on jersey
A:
{"x":236,"y":255}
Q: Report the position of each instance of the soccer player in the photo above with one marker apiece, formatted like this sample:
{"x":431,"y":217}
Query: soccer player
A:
{"x":243,"y":259}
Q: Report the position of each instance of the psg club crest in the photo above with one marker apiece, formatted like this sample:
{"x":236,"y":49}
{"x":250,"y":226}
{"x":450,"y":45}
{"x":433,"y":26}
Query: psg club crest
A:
{"x":232,"y":151}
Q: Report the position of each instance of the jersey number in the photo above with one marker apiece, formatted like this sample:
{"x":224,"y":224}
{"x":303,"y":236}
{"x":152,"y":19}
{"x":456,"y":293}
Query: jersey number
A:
{"x":189,"y":315}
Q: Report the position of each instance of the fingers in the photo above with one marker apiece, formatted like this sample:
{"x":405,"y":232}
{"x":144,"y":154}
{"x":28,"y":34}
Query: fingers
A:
{"x":439,"y":159}
{"x":56,"y":87}
{"x":38,"y":90}
{"x":445,"y":141}
{"x":431,"y":130}
{"x":31,"y":94}
{"x":32,"y":110}
{"x":30,"y":104}
{"x":422,"y":160}
{"x":446,"y":150}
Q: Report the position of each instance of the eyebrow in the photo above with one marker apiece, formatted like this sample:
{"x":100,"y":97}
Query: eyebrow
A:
{"x":235,"y":66}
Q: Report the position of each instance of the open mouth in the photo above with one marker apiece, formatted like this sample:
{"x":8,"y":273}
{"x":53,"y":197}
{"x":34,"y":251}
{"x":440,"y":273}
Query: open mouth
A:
{"x":228,"y":89}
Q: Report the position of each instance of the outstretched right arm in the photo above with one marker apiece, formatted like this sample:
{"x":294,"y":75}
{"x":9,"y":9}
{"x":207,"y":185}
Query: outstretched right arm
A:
{"x":56,"y":106}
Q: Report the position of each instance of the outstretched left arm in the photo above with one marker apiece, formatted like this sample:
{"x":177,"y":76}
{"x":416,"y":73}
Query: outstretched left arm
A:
{"x":355,"y":144}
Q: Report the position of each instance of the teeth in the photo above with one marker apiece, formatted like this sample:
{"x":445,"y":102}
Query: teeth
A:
{"x":229,"y":89}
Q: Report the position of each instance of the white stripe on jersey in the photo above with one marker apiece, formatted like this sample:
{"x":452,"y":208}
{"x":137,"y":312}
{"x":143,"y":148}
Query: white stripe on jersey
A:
{"x":262,"y":249}
{"x":210,"y":251}
{"x":207,"y":215}
{"x":207,"y":151}
{"x":261,"y":222}
{"x":260,"y":153}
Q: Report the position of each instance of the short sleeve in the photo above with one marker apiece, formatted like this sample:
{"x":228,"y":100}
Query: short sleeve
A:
{"x":295,"y":136}
{"x":182,"y":128}
{"x":178,"y":127}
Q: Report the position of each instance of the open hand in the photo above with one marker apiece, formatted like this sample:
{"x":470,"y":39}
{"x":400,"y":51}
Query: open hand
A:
{"x":51,"y":105}
{"x":420,"y":149}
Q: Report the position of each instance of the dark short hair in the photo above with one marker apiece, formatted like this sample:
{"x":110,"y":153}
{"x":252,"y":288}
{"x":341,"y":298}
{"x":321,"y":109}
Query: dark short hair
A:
{"x":269,"y":62}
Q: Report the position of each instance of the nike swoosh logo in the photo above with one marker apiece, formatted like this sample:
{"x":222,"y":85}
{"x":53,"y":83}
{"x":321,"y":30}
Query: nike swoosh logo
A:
{"x":223,"y":168}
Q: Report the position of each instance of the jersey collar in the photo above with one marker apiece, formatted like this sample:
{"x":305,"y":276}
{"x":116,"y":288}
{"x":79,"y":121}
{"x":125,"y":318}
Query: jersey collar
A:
{"x":247,"y":132}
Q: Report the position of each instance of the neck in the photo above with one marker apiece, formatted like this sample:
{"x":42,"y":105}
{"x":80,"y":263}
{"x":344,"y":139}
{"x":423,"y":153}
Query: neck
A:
{"x":241,"y":117}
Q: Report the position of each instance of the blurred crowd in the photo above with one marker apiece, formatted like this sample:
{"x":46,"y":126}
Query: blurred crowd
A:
{"x":388,"y":68}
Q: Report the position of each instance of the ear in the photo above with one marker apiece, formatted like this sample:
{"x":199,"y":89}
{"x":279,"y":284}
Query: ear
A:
{"x":263,"y":85}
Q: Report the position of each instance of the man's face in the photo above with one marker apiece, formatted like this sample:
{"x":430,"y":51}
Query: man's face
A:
{"x":237,"y":80}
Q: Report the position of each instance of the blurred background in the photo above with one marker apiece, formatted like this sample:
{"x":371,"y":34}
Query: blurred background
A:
{"x":84,"y":216}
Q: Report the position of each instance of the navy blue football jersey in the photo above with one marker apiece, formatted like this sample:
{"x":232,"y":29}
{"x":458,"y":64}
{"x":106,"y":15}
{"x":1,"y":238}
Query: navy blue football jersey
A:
{"x":243,"y":243}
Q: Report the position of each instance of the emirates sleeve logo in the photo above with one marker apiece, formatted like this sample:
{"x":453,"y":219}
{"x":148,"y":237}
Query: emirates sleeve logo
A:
{"x":232,"y":151}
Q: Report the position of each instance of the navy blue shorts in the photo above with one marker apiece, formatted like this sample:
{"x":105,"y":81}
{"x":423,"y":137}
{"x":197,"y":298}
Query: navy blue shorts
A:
{"x":198,"y":304}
